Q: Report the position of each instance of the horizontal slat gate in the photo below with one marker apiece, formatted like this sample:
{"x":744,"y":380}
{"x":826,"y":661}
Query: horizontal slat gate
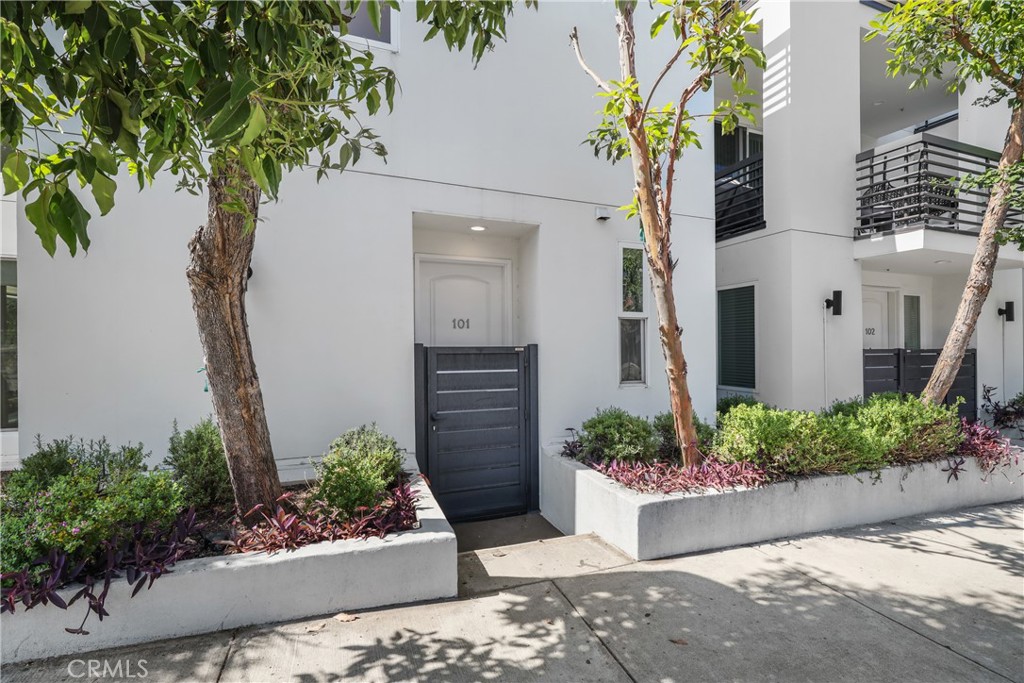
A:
{"x":477,"y":438}
{"x":908,"y":372}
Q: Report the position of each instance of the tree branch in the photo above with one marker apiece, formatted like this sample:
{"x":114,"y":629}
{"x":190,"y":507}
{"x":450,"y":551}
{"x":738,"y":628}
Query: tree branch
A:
{"x":964,"y":40}
{"x":574,"y":39}
{"x":657,"y":82}
{"x":673,"y":145}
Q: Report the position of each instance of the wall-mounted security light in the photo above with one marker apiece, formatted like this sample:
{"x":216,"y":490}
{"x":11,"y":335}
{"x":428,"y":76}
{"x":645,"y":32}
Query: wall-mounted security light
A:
{"x":835,"y":304}
{"x":1006,"y":312}
{"x":602,"y":213}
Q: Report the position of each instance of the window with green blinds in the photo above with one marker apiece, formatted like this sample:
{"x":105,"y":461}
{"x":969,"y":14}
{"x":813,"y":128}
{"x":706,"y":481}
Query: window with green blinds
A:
{"x":912,"y":322}
{"x":736,"y":337}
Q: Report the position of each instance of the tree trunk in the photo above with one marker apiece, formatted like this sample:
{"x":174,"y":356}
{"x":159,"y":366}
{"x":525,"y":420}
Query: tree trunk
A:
{"x":217,"y":276}
{"x":979,"y":281}
{"x":657,"y":240}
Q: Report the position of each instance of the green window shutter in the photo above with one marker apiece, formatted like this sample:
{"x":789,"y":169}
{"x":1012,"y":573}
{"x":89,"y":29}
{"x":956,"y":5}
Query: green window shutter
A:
{"x":736,"y":349}
{"x":912,"y":322}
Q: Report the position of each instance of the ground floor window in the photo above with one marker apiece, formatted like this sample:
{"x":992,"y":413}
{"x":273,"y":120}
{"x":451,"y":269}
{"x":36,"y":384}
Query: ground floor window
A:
{"x":736,"y":349}
{"x":912,"y":322}
{"x":8,"y":344}
{"x":632,"y":318}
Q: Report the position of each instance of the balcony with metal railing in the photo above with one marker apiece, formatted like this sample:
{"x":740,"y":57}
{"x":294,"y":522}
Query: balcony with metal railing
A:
{"x":915,"y":183}
{"x":913,"y":212}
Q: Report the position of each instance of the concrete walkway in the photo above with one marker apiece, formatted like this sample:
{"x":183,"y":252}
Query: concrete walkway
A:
{"x":937,"y":598}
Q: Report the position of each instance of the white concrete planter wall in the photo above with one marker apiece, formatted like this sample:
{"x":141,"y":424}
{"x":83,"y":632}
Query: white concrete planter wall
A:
{"x":578,"y":500}
{"x":215,"y":593}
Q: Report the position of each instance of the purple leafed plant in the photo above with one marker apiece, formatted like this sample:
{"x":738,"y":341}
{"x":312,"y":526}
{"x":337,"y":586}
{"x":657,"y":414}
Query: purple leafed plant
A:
{"x":661,"y":477}
{"x":293,"y":525}
{"x":141,"y":557}
{"x":988,"y":446}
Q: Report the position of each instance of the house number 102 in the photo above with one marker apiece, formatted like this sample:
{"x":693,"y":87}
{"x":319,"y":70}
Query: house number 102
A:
{"x":460,"y":323}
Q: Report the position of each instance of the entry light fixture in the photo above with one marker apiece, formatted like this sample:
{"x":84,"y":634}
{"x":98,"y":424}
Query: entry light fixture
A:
{"x":1006,"y":312}
{"x":835,"y":304}
{"x":942,"y":262}
{"x":477,"y":228}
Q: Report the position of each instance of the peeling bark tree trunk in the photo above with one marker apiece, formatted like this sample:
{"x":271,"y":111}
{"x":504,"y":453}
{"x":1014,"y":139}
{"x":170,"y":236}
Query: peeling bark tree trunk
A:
{"x":979,"y":281}
{"x":657,"y":226}
{"x":217,"y":274}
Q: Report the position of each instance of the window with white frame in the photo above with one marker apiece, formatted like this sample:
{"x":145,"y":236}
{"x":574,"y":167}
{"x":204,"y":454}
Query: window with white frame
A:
{"x":632,"y":318}
{"x":362,"y":27}
{"x":736,"y":343}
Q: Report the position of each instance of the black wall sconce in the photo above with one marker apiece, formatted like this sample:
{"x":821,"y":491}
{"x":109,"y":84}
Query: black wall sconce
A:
{"x":835,"y":304}
{"x":1006,"y":312}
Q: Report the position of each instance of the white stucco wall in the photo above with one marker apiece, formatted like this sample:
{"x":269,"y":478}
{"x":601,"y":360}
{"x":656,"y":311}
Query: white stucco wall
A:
{"x":812,"y":127}
{"x":109,"y":341}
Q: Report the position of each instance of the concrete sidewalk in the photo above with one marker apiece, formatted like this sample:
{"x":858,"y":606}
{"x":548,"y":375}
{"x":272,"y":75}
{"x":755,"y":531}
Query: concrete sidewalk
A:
{"x":936,"y":598}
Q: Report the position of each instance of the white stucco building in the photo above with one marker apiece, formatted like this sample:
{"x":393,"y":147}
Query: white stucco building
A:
{"x":831,"y":190}
{"x":488,"y":227}
{"x":350,"y":273}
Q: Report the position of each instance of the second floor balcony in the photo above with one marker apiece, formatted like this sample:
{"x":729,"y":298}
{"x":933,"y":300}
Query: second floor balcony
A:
{"x":915,"y":183}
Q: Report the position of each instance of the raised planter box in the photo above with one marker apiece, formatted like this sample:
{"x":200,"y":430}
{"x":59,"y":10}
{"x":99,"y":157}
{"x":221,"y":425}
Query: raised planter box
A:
{"x":215,"y":593}
{"x":579,"y":500}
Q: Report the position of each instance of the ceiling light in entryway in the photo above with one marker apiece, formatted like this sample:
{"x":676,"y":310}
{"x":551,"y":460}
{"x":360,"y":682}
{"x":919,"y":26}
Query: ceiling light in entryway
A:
{"x":942,"y":262}
{"x":477,"y":228}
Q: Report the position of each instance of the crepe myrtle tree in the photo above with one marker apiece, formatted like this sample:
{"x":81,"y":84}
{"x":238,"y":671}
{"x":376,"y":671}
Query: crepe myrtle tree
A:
{"x":225,"y":96}
{"x":964,"y":41}
{"x":710,"y":37}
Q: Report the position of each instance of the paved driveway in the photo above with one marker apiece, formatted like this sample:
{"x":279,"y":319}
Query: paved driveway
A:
{"x":938,"y":598}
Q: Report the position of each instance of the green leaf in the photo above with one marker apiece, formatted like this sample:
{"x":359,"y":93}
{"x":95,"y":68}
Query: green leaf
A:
{"x":38,"y":215}
{"x":76,"y":6}
{"x":257,"y":124}
{"x":105,"y":160}
{"x":373,"y":12}
{"x":116,"y":44}
{"x":61,"y":219}
{"x":273,"y":172}
{"x":659,"y":23}
{"x":103,"y":189}
{"x":215,"y":99}
{"x":230,"y":119}
{"x":190,"y":74}
{"x":77,"y":216}
{"x":16,"y":172}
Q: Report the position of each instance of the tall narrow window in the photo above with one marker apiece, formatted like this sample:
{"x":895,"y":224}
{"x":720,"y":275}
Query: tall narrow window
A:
{"x":736,"y":350}
{"x":912,"y":322}
{"x":632,"y":319}
{"x":8,"y":344}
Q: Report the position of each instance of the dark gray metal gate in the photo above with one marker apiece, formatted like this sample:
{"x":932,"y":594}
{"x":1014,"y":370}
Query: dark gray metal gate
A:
{"x":476,"y":436}
{"x":908,"y":371}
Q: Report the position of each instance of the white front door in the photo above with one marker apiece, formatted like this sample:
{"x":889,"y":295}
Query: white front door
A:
{"x":877,"y":328}
{"x":462,"y":302}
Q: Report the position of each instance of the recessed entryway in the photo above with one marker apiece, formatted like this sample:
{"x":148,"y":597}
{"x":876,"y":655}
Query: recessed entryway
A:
{"x":476,"y":374}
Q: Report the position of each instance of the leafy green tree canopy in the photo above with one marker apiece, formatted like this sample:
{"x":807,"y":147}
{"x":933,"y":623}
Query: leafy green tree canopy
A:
{"x":189,"y":87}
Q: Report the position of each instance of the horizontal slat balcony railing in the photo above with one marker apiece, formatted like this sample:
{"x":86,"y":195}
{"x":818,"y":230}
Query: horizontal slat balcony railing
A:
{"x":914,"y":183}
{"x":739,"y":198}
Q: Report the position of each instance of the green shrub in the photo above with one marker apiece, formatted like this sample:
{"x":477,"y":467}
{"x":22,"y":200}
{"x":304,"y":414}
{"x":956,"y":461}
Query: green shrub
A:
{"x":196,"y":458}
{"x":727,"y":403}
{"x":61,"y":456}
{"x":906,"y":429}
{"x":97,"y":497}
{"x":614,"y":434}
{"x":668,"y":445}
{"x":358,"y":469}
{"x":794,"y":442}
